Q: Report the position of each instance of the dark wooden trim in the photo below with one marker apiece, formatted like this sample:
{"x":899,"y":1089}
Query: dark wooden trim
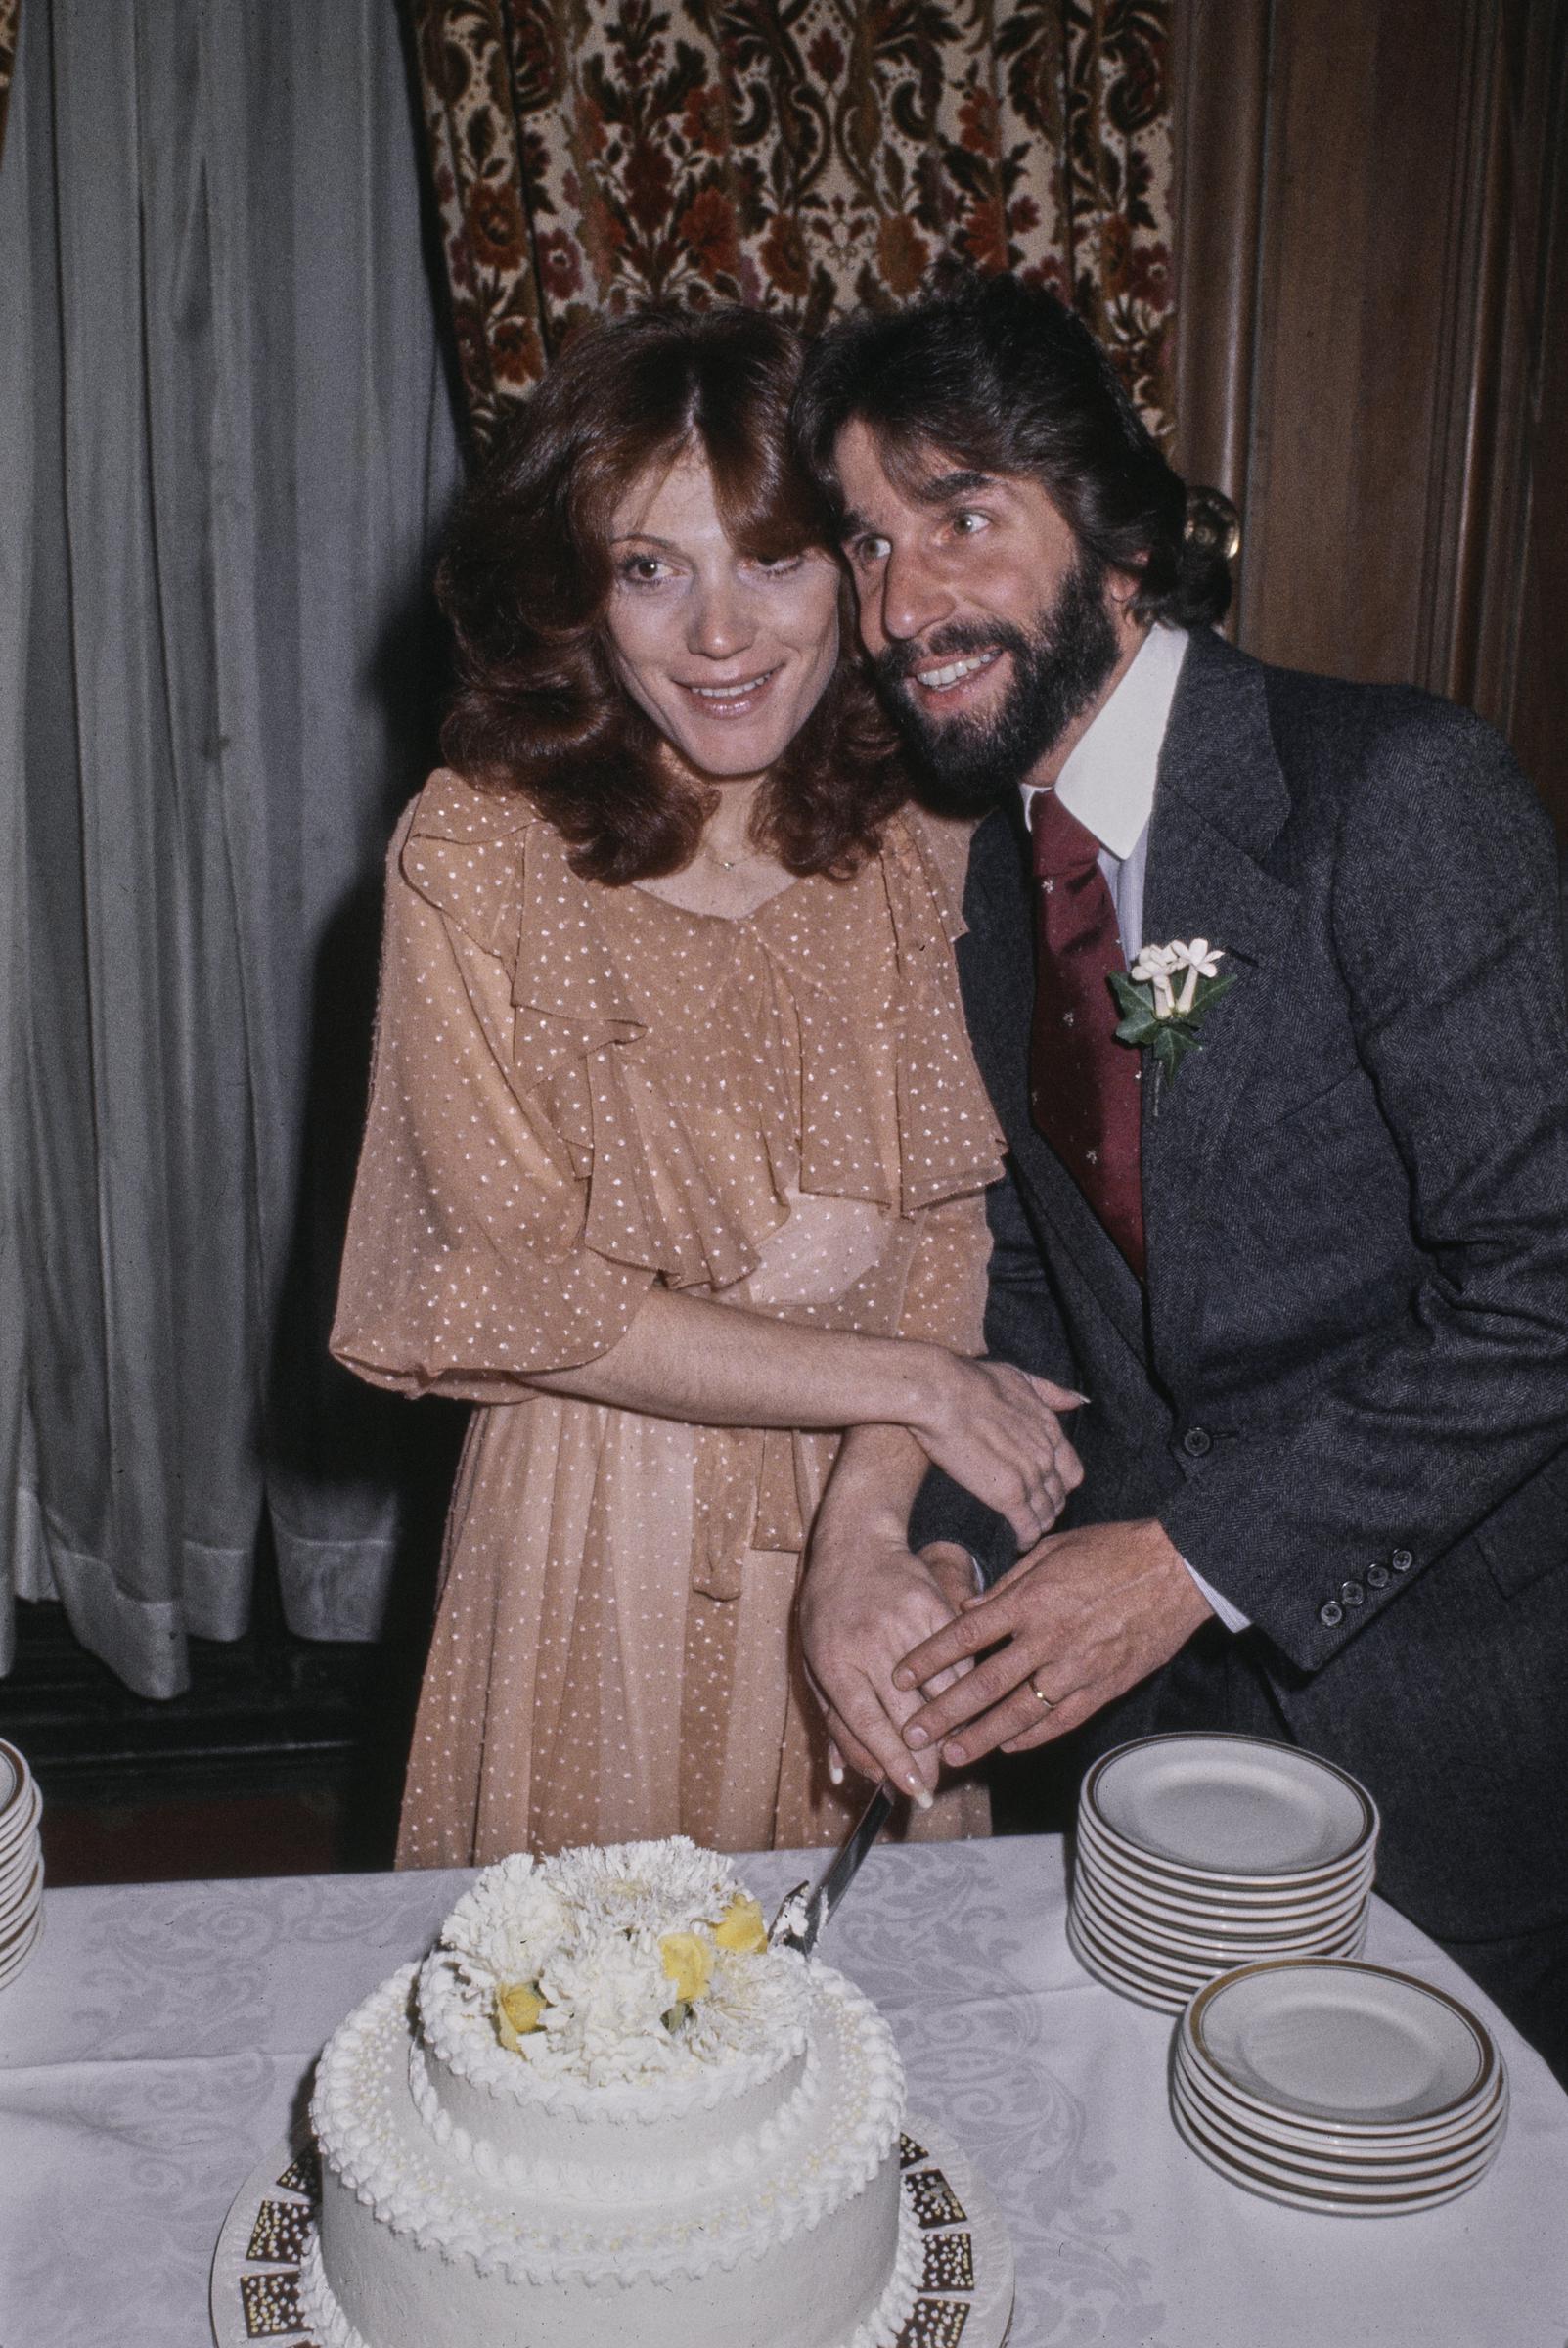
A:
{"x":1481,"y":480}
{"x":1220,"y":92}
{"x":1520,"y":677}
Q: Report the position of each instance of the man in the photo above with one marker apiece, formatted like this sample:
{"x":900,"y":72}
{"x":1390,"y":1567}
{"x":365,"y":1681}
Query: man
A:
{"x":1314,"y":1276}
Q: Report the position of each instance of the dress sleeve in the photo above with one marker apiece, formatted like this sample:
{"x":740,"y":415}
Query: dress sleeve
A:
{"x":950,"y":1146}
{"x":944,"y":1301}
{"x":465,"y":1267}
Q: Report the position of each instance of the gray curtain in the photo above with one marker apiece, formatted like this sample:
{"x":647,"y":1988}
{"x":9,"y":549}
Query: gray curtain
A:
{"x":225,"y":445}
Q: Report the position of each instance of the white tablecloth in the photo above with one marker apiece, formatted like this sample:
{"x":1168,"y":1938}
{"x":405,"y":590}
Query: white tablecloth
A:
{"x":160,"y":2041}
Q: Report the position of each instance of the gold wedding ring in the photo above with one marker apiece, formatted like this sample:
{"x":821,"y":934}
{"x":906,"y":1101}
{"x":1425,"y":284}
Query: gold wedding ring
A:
{"x":1039,"y":1694}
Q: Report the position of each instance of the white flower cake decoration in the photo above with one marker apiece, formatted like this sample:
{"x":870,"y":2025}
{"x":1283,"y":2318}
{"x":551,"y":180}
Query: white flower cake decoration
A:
{"x":620,"y":1964}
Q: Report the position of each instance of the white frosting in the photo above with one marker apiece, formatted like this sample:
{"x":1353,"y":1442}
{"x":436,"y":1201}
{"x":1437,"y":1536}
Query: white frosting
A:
{"x":584,"y":2159}
{"x":795,"y":2248}
{"x":333,"y":2330}
{"x":724,"y":2166}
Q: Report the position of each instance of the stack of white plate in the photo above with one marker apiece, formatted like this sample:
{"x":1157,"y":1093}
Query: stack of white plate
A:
{"x":22,"y":1865}
{"x":1340,"y":2088}
{"x":1196,"y":1853}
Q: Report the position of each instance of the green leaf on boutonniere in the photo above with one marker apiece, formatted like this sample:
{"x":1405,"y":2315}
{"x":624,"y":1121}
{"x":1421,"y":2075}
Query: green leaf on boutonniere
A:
{"x":1167,"y":1037}
{"x":1135,"y":1001}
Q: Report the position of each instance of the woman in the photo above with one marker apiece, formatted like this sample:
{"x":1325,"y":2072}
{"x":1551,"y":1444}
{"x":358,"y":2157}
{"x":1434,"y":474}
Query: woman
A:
{"x":675,"y":1150}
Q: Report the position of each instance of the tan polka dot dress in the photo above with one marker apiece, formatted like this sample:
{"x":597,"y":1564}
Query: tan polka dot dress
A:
{"x":578,"y":1091}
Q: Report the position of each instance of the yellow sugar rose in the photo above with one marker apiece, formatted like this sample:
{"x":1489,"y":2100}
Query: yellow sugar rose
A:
{"x":741,"y":1927}
{"x":518,"y":2011}
{"x":689,"y":1963}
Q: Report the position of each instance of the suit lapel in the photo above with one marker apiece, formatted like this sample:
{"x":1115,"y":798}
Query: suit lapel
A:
{"x":1220,"y":804}
{"x":998,"y":963}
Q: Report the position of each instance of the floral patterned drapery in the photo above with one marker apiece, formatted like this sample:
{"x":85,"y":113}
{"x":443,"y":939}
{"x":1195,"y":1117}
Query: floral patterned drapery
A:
{"x":802,"y":154}
{"x":8,"y":57}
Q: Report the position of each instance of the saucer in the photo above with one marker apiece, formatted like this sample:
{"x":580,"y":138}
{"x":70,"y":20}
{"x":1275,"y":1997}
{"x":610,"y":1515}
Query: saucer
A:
{"x":1230,"y":1812}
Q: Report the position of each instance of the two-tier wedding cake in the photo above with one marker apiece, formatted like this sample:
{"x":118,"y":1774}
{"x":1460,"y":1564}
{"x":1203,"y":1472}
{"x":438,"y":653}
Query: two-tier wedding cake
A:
{"x":605,"y":2110}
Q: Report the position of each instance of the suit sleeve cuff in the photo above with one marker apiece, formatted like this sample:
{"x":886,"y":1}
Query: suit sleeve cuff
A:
{"x":1232,"y":1616}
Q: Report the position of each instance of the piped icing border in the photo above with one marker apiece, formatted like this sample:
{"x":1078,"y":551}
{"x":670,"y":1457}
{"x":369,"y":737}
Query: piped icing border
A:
{"x":357,"y":2131}
{"x":572,"y":2181}
{"x":331,"y":2329}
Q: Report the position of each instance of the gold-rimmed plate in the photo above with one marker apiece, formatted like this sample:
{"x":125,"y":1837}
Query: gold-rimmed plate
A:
{"x":1325,"y":2201}
{"x":1226,"y":1810}
{"x":1272,"y":1901}
{"x":1340,"y":2041}
{"x":1354,"y":2161}
{"x":1279,"y":1936}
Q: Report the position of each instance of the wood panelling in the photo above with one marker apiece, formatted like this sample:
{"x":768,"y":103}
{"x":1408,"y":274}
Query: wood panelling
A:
{"x":1372,"y":356}
{"x":1523,"y":678}
{"x":1221,"y":119}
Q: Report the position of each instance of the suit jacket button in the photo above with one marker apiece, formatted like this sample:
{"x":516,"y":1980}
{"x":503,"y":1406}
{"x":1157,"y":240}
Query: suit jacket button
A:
{"x":1353,"y":1593}
{"x":1330,"y":1613}
{"x":1198,"y":1442}
{"x":1402,"y":1560}
{"x":1378,"y":1577}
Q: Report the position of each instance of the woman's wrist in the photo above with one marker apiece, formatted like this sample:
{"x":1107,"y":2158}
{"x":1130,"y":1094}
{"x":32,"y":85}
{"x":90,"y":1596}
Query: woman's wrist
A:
{"x":930,"y":1390}
{"x":912,"y":1386}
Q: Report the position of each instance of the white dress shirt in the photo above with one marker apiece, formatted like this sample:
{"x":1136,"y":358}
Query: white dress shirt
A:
{"x":1108,"y":780}
{"x":1108,"y":784}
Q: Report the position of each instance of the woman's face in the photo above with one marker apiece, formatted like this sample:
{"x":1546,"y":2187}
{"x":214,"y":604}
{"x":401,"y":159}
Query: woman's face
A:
{"x":728,"y":655}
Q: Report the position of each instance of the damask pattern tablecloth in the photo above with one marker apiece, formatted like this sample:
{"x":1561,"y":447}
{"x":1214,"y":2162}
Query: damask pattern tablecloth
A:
{"x":162,"y":2040}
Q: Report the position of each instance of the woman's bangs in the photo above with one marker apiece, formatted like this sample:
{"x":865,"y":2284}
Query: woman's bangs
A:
{"x":770,"y":507}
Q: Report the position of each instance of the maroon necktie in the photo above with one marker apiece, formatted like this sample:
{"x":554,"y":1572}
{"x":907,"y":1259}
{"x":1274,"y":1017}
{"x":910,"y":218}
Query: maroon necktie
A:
{"x":1084,"y":1086}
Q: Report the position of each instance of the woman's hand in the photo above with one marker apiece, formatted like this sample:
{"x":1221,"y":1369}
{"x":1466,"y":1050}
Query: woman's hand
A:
{"x":860,"y":1602}
{"x":996,"y":1431}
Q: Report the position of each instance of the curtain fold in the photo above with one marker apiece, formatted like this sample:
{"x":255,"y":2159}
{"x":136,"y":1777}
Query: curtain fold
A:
{"x":227,"y":409}
{"x":8,"y":57}
{"x":15,"y":472}
{"x":802,"y":154}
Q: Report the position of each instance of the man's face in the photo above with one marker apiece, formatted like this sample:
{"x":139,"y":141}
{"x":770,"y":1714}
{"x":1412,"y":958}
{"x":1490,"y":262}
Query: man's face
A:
{"x":994,"y":638}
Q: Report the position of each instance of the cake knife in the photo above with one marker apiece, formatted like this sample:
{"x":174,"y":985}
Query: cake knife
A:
{"x":805,"y":1911}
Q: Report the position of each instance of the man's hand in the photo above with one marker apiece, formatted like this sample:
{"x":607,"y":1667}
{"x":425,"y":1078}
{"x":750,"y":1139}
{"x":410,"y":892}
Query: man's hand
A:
{"x":862,"y":1605}
{"x":1081,"y":1619}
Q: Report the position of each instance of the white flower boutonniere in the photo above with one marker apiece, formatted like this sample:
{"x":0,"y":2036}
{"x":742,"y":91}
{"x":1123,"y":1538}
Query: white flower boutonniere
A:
{"x":1163,"y":998}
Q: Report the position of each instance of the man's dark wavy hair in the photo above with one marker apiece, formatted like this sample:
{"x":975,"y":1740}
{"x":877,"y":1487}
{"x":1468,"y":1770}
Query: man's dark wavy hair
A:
{"x":1000,"y":376}
{"x":525,"y":580}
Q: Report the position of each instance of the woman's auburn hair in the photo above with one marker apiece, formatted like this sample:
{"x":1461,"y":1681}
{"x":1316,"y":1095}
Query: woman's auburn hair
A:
{"x":525,"y":580}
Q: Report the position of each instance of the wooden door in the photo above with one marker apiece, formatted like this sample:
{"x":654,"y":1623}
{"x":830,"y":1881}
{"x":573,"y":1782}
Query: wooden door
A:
{"x":1373,"y":354}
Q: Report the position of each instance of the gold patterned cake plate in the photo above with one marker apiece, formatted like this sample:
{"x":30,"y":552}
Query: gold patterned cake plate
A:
{"x":964,"y":2301}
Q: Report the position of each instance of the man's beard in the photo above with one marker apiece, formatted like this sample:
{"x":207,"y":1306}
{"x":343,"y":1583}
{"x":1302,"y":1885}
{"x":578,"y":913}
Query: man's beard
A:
{"x":1058,"y":668}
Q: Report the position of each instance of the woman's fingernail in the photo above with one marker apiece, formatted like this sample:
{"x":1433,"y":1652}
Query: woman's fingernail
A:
{"x":836,"y":1770}
{"x":916,"y":1737}
{"x":922,"y":1793}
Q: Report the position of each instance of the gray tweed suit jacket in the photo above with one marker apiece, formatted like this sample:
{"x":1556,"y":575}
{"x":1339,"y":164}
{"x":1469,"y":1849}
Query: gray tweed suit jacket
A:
{"x":1344,"y":1387}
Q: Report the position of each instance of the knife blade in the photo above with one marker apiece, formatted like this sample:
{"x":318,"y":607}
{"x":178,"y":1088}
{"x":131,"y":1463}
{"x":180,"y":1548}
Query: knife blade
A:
{"x":804,"y":1914}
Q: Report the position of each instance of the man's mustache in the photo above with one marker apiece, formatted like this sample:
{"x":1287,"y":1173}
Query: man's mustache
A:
{"x":951,"y":643}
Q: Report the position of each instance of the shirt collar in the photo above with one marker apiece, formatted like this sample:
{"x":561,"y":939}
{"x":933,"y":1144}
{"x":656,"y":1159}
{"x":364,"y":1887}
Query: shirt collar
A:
{"x":1108,"y":781}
